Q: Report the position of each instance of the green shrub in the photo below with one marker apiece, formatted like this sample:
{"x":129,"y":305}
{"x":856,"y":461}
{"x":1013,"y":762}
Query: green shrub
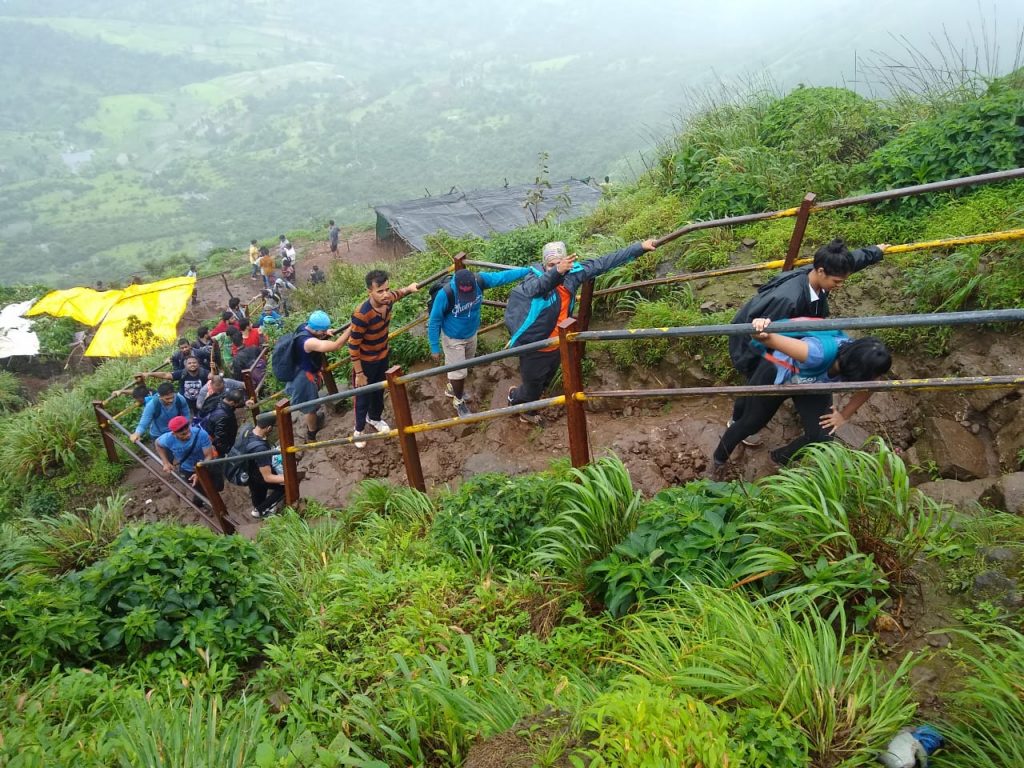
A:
{"x":716,"y":645}
{"x":12,"y":397}
{"x":522,"y":247}
{"x":175,"y":592}
{"x":985,"y":722}
{"x":641,"y":725}
{"x":979,"y":136}
{"x":56,"y":435}
{"x":499,"y":510}
{"x":684,"y":535}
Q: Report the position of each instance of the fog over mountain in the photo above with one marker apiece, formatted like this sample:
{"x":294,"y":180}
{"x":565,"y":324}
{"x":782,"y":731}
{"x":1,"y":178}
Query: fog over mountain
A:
{"x":132,"y":131}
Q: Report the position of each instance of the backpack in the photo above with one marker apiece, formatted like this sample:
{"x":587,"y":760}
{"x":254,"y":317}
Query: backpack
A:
{"x":446,"y":286}
{"x":237,"y":470}
{"x":284,"y":361}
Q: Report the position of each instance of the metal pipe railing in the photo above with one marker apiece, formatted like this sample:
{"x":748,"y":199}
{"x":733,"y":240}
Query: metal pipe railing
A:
{"x":796,"y":326}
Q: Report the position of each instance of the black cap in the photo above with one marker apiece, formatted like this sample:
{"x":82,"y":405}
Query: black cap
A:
{"x":465,"y":280}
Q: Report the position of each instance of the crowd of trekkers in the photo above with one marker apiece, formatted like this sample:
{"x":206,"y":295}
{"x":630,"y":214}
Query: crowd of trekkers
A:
{"x":191,"y":416}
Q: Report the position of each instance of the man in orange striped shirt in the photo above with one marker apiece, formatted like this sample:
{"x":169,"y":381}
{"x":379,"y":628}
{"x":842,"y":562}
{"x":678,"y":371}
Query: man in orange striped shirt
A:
{"x":368,"y":348}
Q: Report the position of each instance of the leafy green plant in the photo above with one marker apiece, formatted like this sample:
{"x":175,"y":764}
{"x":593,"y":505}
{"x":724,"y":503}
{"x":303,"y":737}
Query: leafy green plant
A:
{"x":641,"y":725}
{"x":493,"y":511}
{"x":595,"y":509}
{"x":715,"y":644}
{"x":986,"y":717}
{"x":58,"y":434}
{"x":179,"y":593}
{"x":770,"y":738}
{"x":11,"y":394}
{"x":685,"y":535}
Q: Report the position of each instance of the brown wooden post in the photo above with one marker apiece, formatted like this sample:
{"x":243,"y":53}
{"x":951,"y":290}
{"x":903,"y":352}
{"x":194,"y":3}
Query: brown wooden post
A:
{"x":329,"y":382}
{"x":215,"y":360}
{"x":459,"y":260}
{"x":572,"y":381}
{"x":798,"y":231}
{"x":250,"y":393}
{"x":220,"y":512}
{"x":288,"y":462}
{"x":585,"y":311}
{"x":108,"y":442}
{"x":403,"y":417}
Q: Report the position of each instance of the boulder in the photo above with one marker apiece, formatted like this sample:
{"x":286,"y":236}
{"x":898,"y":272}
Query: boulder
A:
{"x":1012,"y":489}
{"x":962,"y":496}
{"x":992,"y":585}
{"x":955,"y":452}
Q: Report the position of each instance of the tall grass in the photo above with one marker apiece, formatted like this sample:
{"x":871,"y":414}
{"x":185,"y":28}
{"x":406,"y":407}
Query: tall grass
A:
{"x":985,"y":723}
{"x":717,"y":645}
{"x":597,"y":507}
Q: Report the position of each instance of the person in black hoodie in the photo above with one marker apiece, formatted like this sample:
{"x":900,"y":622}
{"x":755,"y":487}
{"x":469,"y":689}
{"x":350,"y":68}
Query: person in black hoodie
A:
{"x":221,"y":423}
{"x":801,"y":292}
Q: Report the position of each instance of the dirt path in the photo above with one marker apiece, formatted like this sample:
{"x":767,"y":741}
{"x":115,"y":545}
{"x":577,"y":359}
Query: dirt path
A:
{"x":662,"y":443}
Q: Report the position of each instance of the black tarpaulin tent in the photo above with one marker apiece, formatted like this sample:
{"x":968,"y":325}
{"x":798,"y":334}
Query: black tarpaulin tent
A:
{"x":484,"y":212}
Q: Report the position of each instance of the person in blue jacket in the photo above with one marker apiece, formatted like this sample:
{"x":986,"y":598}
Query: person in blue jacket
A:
{"x":455,"y":320}
{"x":546,"y":297}
{"x":804,"y":358}
{"x":158,"y":411}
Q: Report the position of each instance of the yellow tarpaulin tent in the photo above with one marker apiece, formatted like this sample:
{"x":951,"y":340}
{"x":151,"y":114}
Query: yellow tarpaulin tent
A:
{"x":134,"y":320}
{"x":144,"y":317}
{"x":82,"y":304}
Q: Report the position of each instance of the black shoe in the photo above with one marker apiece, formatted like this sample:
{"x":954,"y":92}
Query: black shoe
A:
{"x":511,"y":390}
{"x":776,"y":459}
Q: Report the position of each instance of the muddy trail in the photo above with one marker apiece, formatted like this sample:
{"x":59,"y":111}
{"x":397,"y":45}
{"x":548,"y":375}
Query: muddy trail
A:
{"x":961,"y":436}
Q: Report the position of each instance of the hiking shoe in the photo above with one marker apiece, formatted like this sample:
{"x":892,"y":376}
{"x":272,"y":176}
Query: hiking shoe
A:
{"x":380,"y":426}
{"x":461,"y":408}
{"x":510,"y":395}
{"x":773,"y":455}
{"x":448,"y":391}
{"x":751,"y":441}
{"x":311,"y":436}
{"x":532,"y":418}
{"x":358,"y":443}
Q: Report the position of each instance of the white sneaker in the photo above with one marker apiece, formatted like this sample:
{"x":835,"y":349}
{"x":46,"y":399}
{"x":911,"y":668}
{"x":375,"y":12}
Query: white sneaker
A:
{"x":380,"y":426}
{"x":358,"y":443}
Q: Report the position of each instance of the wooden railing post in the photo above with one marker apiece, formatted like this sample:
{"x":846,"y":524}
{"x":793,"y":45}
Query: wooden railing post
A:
{"x":459,"y":260}
{"x":108,"y":442}
{"x":572,"y":381}
{"x":287,"y":437}
{"x":220,"y":512}
{"x":215,"y":361}
{"x":798,"y":231}
{"x":250,"y":393}
{"x":403,"y":418}
{"x":329,"y":382}
{"x":585,"y":311}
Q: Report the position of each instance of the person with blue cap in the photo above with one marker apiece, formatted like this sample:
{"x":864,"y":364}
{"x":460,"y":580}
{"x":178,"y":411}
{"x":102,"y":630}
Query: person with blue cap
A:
{"x":312,"y":343}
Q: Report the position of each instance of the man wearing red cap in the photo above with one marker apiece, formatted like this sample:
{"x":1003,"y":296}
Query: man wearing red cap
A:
{"x":185,"y":446}
{"x":455,"y":320}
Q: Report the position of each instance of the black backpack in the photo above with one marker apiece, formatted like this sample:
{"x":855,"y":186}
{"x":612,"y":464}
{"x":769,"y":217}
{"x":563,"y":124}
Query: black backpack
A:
{"x":284,"y":360}
{"x":446,"y":286}
{"x":237,"y":470}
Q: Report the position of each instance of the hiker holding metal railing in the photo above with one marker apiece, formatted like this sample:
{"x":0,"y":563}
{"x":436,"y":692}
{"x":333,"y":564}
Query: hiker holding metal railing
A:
{"x":545,"y":297}
{"x":806,"y":357}
{"x":801,"y":292}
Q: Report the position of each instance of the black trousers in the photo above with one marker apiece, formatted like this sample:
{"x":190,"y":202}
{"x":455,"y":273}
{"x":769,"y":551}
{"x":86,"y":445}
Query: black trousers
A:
{"x":756,"y":412}
{"x":263,"y":494}
{"x":371,"y":406}
{"x":536,"y":369}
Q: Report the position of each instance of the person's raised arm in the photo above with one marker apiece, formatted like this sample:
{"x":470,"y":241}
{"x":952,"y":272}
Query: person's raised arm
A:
{"x":157,"y":375}
{"x":437,"y":311}
{"x":329,"y":345}
{"x":795,"y":348}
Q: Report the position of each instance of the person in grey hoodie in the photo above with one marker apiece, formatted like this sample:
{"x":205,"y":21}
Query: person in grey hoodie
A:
{"x":546,"y":296}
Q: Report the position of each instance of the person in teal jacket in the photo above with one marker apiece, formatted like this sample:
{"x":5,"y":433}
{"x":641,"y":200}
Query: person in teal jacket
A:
{"x":455,"y":321}
{"x":159,"y":410}
{"x":804,"y":358}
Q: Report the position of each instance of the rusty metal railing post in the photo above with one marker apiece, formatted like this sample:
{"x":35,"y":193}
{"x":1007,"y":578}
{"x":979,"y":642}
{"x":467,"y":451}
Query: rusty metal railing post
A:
{"x":287,"y":437}
{"x":220,"y":512}
{"x":250,"y":393}
{"x":108,"y":442}
{"x":403,"y":418}
{"x":572,"y":381}
{"x":798,"y":231}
